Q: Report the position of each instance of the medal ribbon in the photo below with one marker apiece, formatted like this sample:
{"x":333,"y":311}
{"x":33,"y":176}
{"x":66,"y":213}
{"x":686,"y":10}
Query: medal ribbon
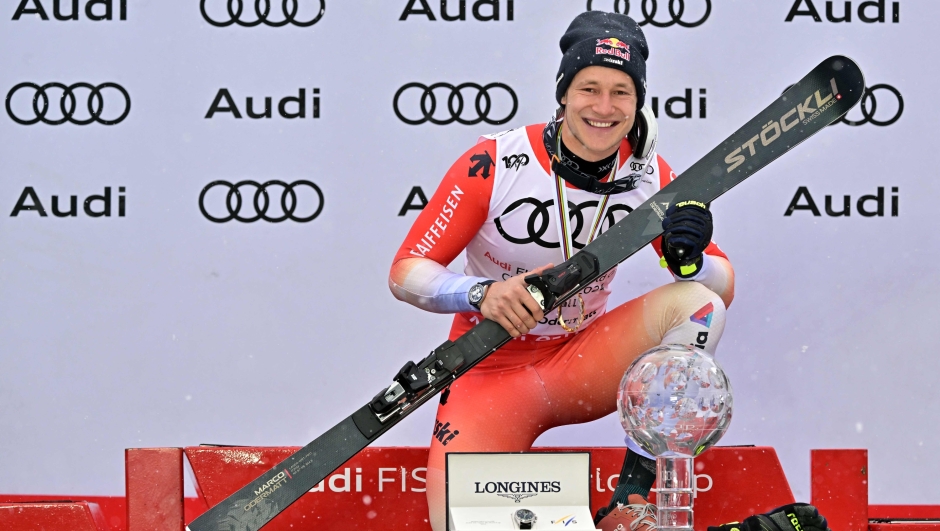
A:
{"x":564,"y":221}
{"x":565,"y":240}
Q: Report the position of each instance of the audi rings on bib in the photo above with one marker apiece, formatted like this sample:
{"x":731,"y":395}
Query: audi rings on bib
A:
{"x":290,"y":8}
{"x":540,"y":216}
{"x":869,"y":105}
{"x":261,"y":201}
{"x":650,"y":8}
{"x":429,"y":103}
{"x":68,"y":103}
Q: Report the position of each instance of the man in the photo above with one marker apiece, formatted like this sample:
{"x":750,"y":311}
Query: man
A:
{"x":522,"y":200}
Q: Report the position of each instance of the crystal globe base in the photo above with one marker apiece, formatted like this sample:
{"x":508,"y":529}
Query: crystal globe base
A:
{"x":674,"y":493}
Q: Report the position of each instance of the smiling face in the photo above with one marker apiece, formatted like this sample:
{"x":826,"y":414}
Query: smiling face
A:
{"x":600,"y":108}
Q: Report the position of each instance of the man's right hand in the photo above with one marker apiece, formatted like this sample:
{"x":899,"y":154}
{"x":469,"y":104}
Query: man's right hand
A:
{"x":511,"y":305}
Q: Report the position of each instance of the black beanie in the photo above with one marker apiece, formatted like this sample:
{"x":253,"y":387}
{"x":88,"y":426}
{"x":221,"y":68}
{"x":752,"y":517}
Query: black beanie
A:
{"x":598,"y":38}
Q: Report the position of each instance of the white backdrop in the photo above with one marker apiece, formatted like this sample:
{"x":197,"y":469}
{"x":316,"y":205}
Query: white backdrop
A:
{"x":162,"y":328}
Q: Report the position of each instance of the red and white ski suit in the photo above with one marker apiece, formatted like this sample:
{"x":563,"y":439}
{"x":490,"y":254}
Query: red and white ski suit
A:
{"x":498,"y":202}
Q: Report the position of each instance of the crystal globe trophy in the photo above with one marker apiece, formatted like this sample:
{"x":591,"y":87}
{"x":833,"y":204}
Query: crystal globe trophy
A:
{"x":675,"y":402}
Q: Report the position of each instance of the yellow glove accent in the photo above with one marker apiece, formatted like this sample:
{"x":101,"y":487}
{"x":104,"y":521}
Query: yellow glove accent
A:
{"x":687,"y":270}
{"x":662,"y":262}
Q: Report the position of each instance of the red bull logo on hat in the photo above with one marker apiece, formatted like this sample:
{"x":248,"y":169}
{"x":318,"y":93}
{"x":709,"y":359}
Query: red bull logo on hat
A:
{"x":614,"y":46}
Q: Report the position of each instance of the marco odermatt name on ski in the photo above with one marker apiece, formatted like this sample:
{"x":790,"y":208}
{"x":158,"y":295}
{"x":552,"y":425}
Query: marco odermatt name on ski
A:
{"x":268,"y":488}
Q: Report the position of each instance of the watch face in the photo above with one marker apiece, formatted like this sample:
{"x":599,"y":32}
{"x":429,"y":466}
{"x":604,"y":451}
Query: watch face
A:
{"x":525,"y":515}
{"x":475,"y":294}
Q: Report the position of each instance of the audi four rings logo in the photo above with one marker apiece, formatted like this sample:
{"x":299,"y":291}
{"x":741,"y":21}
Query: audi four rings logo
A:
{"x":228,"y":203}
{"x":540,"y":216}
{"x":296,"y":12}
{"x":650,"y":8}
{"x":869,"y":108}
{"x":29,"y":103}
{"x":428,"y":104}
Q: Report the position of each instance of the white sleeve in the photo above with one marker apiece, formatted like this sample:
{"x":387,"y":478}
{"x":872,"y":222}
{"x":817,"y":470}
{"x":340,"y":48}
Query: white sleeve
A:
{"x":432,"y":287}
{"x":712,"y":275}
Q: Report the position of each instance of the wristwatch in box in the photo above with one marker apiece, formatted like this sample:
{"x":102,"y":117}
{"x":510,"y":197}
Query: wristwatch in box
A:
{"x":524,"y":518}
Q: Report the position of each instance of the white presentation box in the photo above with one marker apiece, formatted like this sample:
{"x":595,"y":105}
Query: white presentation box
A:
{"x":484,"y":490}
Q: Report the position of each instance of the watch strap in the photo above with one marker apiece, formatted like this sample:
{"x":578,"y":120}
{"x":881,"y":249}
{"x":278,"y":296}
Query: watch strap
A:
{"x":483,"y":284}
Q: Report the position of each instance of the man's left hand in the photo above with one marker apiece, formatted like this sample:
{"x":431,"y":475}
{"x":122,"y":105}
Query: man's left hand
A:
{"x":793,"y":517}
{"x":687,"y":231}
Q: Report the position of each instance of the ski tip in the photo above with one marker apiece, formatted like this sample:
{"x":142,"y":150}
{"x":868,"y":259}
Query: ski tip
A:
{"x":840,"y":63}
{"x":846,"y":67}
{"x":845,"y":77}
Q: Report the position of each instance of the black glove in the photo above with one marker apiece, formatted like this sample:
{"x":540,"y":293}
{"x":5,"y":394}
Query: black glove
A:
{"x":687,"y":231}
{"x":793,"y":517}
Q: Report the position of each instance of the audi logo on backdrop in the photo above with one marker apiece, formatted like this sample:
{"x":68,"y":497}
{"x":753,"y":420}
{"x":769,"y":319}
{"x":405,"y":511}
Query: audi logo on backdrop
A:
{"x":425,"y":103}
{"x":95,"y":10}
{"x":540,"y":216}
{"x":29,"y":103}
{"x":250,"y":201}
{"x":649,"y":8}
{"x":869,"y":107}
{"x":248,"y":13}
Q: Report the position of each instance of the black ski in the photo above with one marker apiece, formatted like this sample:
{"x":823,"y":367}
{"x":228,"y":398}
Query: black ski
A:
{"x":820,"y":98}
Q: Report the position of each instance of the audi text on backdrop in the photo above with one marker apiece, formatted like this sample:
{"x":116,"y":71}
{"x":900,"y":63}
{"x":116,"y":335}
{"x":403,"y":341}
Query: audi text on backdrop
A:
{"x":802,"y":200}
{"x":105,"y":9}
{"x":95,"y":206}
{"x":864,"y":11}
{"x":224,"y":103}
{"x":482,"y":10}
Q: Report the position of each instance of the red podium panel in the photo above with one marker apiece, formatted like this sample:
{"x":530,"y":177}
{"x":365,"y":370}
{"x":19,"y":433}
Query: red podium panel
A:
{"x":52,"y":516}
{"x":380,"y":488}
{"x":154,"y":482}
{"x":383,"y":488}
{"x":840,"y":487}
{"x":746,"y":480}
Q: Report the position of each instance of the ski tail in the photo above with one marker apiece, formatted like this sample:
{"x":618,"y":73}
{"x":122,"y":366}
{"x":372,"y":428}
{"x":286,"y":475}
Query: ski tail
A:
{"x":819,"y":99}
